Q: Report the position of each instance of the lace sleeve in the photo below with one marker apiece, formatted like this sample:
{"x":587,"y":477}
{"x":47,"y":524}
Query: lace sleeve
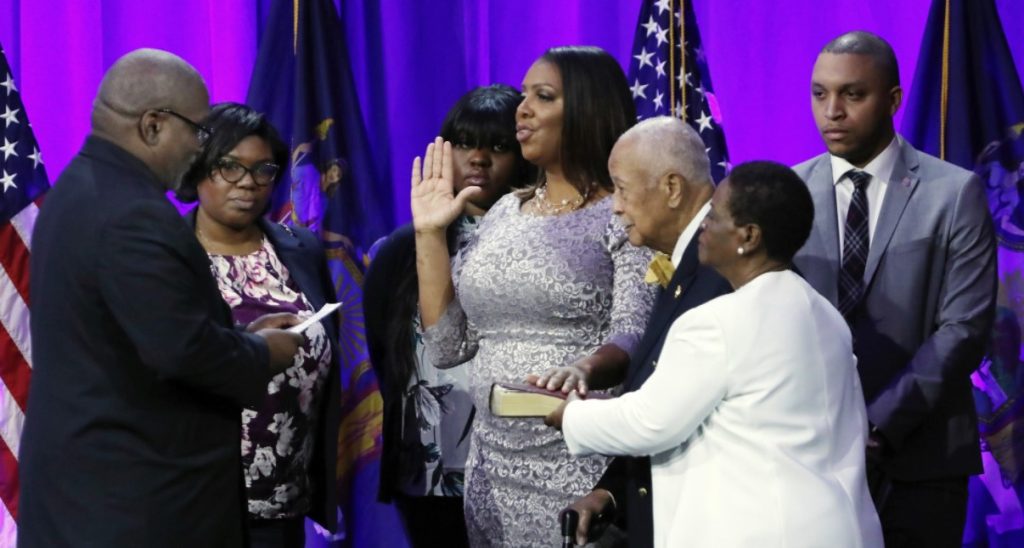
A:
{"x":451,"y":340}
{"x":632,"y":298}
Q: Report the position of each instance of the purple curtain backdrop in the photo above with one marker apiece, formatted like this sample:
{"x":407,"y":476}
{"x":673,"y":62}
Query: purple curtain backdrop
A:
{"x":413,"y":58}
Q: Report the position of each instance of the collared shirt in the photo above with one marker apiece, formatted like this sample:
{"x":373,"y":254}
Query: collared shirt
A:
{"x":880,"y":169}
{"x":684,"y":239}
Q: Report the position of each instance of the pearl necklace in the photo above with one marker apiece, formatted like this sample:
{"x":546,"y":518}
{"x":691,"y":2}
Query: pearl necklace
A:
{"x":545,"y":206}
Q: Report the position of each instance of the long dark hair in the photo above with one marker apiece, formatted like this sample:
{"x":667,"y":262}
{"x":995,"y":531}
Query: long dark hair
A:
{"x":484,"y":117}
{"x":598,"y":108}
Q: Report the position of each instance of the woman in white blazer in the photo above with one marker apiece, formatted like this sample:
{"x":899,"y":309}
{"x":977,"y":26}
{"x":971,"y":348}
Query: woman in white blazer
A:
{"x":754,"y":417}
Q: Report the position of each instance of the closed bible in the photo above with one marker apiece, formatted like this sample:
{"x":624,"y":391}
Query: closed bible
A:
{"x":527,"y":400}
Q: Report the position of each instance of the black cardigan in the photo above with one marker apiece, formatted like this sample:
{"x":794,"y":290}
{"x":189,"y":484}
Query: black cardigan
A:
{"x":394,"y":260}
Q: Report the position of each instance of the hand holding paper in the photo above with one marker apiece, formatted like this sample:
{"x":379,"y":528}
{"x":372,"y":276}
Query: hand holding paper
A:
{"x":320,"y":314}
{"x":277,"y":320}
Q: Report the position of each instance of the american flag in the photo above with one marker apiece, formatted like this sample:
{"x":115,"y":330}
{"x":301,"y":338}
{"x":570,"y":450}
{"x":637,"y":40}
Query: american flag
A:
{"x":22,"y":184}
{"x":668,"y":75}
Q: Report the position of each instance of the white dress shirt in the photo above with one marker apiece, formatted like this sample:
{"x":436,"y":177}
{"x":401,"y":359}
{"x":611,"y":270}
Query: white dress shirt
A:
{"x":684,"y":239}
{"x":880,"y":170}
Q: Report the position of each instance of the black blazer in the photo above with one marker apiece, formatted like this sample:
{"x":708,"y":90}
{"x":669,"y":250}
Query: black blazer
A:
{"x":628,"y":479}
{"x":303,"y":255}
{"x":133,"y":422}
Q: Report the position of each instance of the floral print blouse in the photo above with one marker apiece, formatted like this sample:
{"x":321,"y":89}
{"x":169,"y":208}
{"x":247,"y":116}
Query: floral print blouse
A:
{"x":437,"y":413}
{"x":277,"y":436}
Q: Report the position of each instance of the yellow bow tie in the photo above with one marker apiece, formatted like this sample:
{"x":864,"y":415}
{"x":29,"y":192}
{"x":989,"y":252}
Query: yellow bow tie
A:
{"x":661,"y":270}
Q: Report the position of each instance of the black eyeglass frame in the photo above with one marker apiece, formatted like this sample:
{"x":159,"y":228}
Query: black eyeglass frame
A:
{"x":251,"y":171}
{"x":203,"y":133}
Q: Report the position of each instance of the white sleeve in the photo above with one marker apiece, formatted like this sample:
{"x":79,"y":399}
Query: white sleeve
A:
{"x":689,"y":381}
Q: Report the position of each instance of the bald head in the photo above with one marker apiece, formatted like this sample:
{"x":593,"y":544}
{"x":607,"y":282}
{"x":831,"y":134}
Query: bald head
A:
{"x":149,"y":103}
{"x":662,"y":179}
{"x":145,"y":79}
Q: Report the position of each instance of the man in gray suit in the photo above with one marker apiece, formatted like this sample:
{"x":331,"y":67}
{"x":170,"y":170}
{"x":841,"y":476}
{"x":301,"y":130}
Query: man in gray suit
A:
{"x":903,"y":246}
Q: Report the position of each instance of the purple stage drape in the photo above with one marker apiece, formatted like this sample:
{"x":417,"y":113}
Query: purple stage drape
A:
{"x":413,"y":58}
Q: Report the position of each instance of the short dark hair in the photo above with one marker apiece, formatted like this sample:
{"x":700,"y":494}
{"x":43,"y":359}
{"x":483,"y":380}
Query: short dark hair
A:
{"x":861,"y":42}
{"x":230,"y":123}
{"x":486,"y":117}
{"x":772,"y":196}
{"x":598,"y":108}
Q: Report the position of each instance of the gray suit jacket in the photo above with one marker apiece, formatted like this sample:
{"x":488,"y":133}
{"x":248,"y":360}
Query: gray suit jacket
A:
{"x":924,"y":321}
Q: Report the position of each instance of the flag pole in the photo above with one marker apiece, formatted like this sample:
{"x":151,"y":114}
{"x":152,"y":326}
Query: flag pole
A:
{"x":945,"y":85}
{"x":295,"y":27}
{"x":682,"y":58}
{"x":671,"y":61}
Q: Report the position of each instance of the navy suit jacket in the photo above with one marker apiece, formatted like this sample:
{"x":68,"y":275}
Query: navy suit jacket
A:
{"x":134,"y":415}
{"x":303,"y":255}
{"x":628,"y":479}
{"x":928,"y":305}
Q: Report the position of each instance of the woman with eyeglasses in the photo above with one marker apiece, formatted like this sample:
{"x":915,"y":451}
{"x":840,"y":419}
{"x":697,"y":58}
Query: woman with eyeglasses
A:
{"x":289,"y":442}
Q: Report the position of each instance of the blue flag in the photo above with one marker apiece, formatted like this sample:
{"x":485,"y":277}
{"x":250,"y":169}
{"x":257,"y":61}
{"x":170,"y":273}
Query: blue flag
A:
{"x":669,"y":75}
{"x":335,"y":187}
{"x":302,"y":81}
{"x":967,"y":107}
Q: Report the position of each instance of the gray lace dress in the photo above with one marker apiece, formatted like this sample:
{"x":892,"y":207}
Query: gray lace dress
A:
{"x":534,"y":292}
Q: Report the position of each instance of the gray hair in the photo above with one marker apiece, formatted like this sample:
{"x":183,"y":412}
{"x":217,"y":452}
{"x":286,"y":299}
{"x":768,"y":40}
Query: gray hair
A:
{"x":670,"y":145}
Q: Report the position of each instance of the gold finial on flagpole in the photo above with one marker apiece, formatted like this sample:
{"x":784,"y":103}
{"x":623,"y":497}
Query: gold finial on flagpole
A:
{"x":682,"y":59}
{"x":295,"y":27}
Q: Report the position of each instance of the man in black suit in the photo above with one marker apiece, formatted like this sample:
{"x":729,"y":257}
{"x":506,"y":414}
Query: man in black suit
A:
{"x":663,"y":190}
{"x":133,"y":424}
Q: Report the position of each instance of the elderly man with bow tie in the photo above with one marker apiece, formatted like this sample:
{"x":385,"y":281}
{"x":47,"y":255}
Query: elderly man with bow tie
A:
{"x":663,"y":189}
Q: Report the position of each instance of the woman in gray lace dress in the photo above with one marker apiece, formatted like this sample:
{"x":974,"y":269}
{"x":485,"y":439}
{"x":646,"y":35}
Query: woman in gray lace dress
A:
{"x":548,"y":284}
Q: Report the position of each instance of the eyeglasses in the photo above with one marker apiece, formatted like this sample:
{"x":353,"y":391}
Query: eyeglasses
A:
{"x":203,"y":133}
{"x":233,"y":172}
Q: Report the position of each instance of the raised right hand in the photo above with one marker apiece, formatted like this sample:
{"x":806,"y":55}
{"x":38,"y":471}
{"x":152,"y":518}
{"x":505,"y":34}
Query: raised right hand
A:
{"x":592,"y":507}
{"x":282,"y":345}
{"x":433,"y":202}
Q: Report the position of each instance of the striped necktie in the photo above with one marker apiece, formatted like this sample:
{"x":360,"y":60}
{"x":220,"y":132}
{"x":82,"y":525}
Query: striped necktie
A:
{"x":855,"y":245}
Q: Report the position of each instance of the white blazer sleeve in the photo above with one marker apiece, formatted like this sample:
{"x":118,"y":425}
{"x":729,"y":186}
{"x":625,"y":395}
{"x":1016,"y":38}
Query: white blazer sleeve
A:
{"x":685,"y":388}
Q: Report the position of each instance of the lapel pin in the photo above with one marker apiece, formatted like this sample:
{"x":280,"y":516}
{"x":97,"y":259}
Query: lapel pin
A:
{"x":906,"y":182}
{"x":679,"y":291}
